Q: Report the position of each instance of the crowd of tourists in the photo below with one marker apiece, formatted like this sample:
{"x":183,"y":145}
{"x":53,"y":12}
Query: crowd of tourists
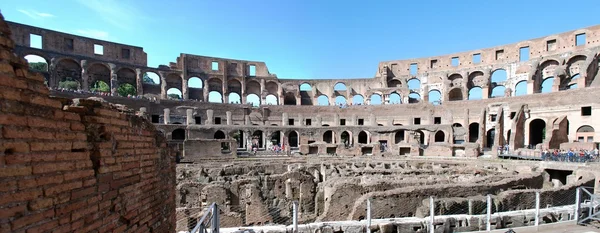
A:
{"x":570,"y":155}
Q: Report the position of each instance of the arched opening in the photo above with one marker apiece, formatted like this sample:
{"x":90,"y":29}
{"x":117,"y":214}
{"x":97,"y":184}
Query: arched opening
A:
{"x":126,"y":90}
{"x":435,"y":97}
{"x":239,"y":138}
{"x":178,"y":134}
{"x":253,"y":99}
{"x":375,"y":99}
{"x":363,"y":137}
{"x":339,"y":87}
{"x":328,"y":136}
{"x":346,"y":138}
{"x":399,"y":136}
{"x":473,"y":132}
{"x":498,"y":91}
{"x":414,"y":98}
{"x":498,"y":76}
{"x":234,"y":98}
{"x":37,"y":63}
{"x":305,"y":87}
{"x":475,"y":93}
{"x":455,"y":94}
{"x":215,"y":97}
{"x":546,"y":86}
{"x":195,"y":82}
{"x":439,"y":136}
{"x":585,"y":134}
{"x":414,"y":84}
{"x":358,"y":100}
{"x":289,"y":99}
{"x":572,"y":82}
{"x":151,"y":78}
{"x":491,"y":135}
{"x":395,"y":98}
{"x":69,"y":83}
{"x":174,"y":94}
{"x":100,"y":86}
{"x":257,"y":139}
{"x":69,"y":70}
{"x":537,"y":132}
{"x":219,"y":135}
{"x":276,"y":138}
{"x":420,"y":137}
{"x":323,"y":100}
{"x":293,"y":139}
{"x":340,"y":100}
{"x":271,"y":100}
{"x":394,"y":83}
{"x":521,"y":88}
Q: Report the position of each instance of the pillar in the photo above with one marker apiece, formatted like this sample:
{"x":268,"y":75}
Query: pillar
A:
{"x":184,"y":88}
{"x":163,"y":85}
{"x":318,"y":121}
{"x":246,"y":120}
{"x":485,"y":92}
{"x":353,"y":120}
{"x":205,"y":91}
{"x":336,"y":119}
{"x":139,"y":81}
{"x":85,"y":85}
{"x":229,"y":119}
{"x":298,"y":100}
{"x":114,"y":83}
{"x":300,"y":121}
{"x":209,"y":116}
{"x":284,"y":119}
{"x":189,"y":115}
{"x":372,"y":120}
{"x":167,"y":115}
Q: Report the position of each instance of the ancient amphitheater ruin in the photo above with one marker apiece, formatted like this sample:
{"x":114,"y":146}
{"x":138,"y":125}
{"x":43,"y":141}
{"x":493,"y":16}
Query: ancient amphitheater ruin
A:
{"x":263,"y":148}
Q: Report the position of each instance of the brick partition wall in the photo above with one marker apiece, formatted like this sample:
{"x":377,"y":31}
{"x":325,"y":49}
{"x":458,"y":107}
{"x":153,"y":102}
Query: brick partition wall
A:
{"x":77,"y":165}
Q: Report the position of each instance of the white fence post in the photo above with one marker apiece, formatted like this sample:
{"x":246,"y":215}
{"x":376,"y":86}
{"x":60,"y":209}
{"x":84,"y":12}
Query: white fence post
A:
{"x":295,"y":216}
{"x":431,"y":214}
{"x":488,"y":216}
{"x":537,"y":208}
{"x":577,"y":206}
{"x":369,"y":215}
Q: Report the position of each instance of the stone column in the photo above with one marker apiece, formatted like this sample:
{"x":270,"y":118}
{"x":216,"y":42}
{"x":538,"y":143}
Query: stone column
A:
{"x":114,"y":83}
{"x":139,"y":81}
{"x":318,"y":120}
{"x":205,"y":88}
{"x":353,"y":120}
{"x":167,"y":115}
{"x":298,"y":100}
{"x":229,"y":120}
{"x":190,"y":116}
{"x":372,"y":120}
{"x":209,"y":116}
{"x":184,"y":88}
{"x":336,"y":119}
{"x":246,"y":120}
{"x":85,"y":85}
{"x":300,"y":121}
{"x":284,"y":119}
{"x":163,"y":85}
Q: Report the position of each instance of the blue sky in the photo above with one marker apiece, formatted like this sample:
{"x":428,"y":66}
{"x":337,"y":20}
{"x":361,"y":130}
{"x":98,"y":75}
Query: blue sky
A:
{"x":308,"y":38}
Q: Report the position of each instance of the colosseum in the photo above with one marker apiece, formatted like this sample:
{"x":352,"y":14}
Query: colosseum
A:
{"x":262,"y":147}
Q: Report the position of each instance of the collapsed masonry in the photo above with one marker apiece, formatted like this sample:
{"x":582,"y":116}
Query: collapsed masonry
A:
{"x":77,"y":165}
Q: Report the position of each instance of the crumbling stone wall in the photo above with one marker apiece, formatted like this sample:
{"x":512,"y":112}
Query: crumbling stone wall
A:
{"x":77,"y":165}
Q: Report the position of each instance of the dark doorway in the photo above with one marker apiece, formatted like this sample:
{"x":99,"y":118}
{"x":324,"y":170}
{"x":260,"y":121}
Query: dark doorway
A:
{"x":178,"y":134}
{"x":537,"y":132}
{"x":293,"y":139}
{"x":491,"y":134}
{"x":473,"y":132}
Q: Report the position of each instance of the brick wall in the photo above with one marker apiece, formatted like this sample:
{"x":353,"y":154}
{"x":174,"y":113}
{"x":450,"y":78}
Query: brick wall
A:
{"x":77,"y":165}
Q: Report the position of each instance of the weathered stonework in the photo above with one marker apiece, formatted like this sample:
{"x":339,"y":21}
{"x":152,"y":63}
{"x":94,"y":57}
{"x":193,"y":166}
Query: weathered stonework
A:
{"x":77,"y":165}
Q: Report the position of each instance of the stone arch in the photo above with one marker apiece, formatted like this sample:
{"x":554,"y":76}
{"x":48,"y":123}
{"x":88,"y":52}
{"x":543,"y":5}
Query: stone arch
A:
{"x":173,"y":81}
{"x":289,"y":99}
{"x":455,"y":94}
{"x":271,"y":99}
{"x":293,"y":139}
{"x":323,"y":100}
{"x":395,"y":98}
{"x":420,"y":136}
{"x":456,"y":80}
{"x":305,"y":87}
{"x":272,"y":88}
{"x":37,"y":63}
{"x":275,"y":138}
{"x":196,"y":82}
{"x":521,"y":88}
{"x":215,"y":97}
{"x":358,"y":100}
{"x":546,"y":85}
{"x":234,"y":86}
{"x":490,"y":136}
{"x":68,"y":69}
{"x":234,"y":98}
{"x":499,"y":76}
{"x":151,"y":78}
{"x":476,"y":79}
{"x":399,"y":136}
{"x":475,"y":93}
{"x":497,"y":91}
{"x":253,"y":99}
{"x":439,"y":136}
{"x":127,"y":82}
{"x":394,"y":83}
{"x":414,"y":84}
{"x":363,"y":137}
{"x":537,"y":132}
{"x":339,"y":86}
{"x":585,"y":133}
{"x":435,"y":97}
{"x":253,"y":87}
{"x":258,"y":139}
{"x":219,"y":135}
{"x":346,"y":138}
{"x":174,"y":93}
{"x":306,"y":94}
{"x":178,"y":134}
{"x":340,"y":100}
{"x":376,"y":99}
{"x":328,"y":136}
{"x":414,"y":98}
{"x":473,"y":132}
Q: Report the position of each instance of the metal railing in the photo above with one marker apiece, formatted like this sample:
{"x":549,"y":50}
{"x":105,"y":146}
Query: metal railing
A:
{"x":209,"y":220}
